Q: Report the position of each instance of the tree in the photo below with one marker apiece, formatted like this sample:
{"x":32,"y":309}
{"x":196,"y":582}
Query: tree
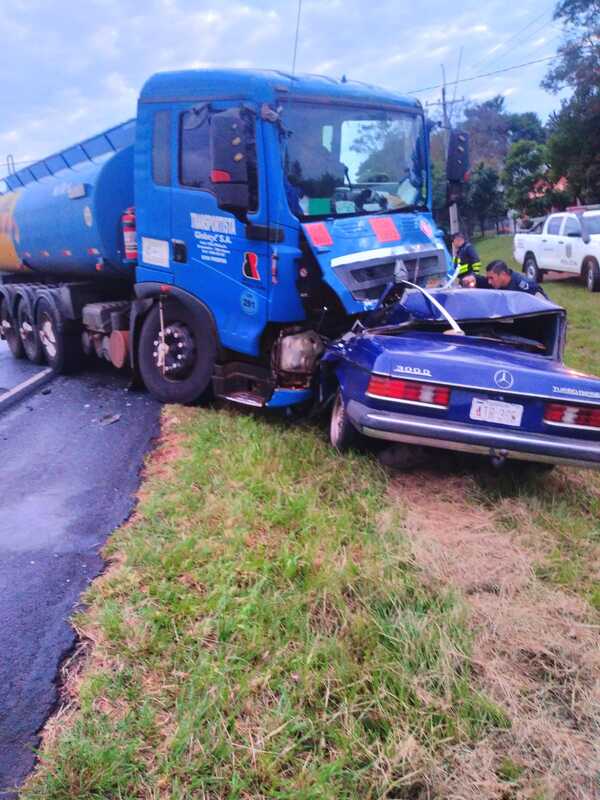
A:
{"x":578,"y":58}
{"x":487,"y":126}
{"x":574,"y":140}
{"x":574,"y":145}
{"x":525,"y":126}
{"x":484,"y":199}
{"x":492,"y":130}
{"x":524,"y":176}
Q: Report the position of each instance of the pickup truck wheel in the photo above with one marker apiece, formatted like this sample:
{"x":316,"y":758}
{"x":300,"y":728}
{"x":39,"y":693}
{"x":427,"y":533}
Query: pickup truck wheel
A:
{"x":62,"y":349}
{"x":10,"y":331}
{"x":531,"y":269}
{"x":178,"y":367}
{"x":342,"y":433}
{"x":592,"y":276}
{"x":29,"y":335}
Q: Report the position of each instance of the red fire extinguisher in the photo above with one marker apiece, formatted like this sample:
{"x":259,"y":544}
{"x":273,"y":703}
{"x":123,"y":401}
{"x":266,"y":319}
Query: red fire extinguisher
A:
{"x":129,"y":234}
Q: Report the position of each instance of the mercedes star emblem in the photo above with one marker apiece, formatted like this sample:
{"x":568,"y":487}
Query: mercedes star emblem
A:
{"x":503,"y":379}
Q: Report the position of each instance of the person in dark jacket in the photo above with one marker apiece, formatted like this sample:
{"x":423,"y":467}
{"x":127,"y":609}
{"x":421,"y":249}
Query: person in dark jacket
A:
{"x":500,"y":276}
{"x":465,"y":258}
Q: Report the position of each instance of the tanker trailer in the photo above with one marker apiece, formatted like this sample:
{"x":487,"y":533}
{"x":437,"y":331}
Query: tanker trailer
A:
{"x":216,"y":241}
{"x":63,"y":234}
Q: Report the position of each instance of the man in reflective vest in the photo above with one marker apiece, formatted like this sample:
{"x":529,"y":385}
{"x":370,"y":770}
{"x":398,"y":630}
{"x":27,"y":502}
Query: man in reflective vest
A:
{"x":465,"y":259}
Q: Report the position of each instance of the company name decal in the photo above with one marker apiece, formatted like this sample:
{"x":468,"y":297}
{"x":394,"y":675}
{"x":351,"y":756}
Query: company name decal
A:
{"x":576,"y":392}
{"x":413,"y":371}
{"x":213,"y":223}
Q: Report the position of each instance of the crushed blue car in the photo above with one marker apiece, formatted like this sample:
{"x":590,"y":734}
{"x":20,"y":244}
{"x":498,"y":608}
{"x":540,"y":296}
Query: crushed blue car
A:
{"x":474,"y":370}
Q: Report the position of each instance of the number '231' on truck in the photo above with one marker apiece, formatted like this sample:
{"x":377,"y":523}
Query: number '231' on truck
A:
{"x":212,"y":242}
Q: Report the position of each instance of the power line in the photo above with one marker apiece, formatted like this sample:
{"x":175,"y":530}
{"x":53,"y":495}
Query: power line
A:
{"x":511,"y":38}
{"x":482,"y":75}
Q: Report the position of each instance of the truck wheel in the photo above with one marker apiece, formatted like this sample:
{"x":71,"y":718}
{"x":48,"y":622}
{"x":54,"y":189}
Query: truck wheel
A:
{"x":342,"y":433}
{"x":178,"y":370}
{"x":531,"y":269}
{"x":62,"y":349}
{"x":592,"y":276}
{"x":10,"y":330}
{"x":29,"y":335}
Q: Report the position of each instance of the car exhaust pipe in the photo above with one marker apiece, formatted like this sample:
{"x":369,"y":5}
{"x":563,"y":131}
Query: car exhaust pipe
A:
{"x":498,"y":457}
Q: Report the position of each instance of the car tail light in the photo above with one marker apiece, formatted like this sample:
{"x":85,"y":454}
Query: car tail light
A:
{"x":424,"y":394}
{"x":572,"y":416}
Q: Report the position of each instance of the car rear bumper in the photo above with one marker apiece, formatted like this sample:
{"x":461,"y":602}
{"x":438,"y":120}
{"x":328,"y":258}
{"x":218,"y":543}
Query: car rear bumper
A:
{"x":501,"y":443}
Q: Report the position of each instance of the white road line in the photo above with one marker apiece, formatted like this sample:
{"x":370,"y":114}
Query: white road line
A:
{"x":25,"y":387}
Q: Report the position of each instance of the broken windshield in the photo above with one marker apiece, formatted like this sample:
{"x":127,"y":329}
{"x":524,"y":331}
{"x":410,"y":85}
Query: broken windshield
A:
{"x":346,"y":160}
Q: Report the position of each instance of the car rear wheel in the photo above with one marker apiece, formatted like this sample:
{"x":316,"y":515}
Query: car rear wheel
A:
{"x":531,"y":269}
{"x":342,"y":433}
{"x":592,"y":276}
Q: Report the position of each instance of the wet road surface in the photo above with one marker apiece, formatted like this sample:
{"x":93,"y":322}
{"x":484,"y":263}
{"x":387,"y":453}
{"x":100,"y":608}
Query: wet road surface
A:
{"x":69,"y":471}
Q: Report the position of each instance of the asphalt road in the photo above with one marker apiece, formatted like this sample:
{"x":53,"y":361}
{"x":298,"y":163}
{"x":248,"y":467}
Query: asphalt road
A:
{"x":70,"y":459}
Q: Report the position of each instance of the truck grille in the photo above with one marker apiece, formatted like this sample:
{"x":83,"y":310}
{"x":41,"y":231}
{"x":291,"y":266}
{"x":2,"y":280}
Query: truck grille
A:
{"x":366,"y":280}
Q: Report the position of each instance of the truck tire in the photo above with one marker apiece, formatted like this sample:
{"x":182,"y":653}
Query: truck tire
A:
{"x":29,"y":335}
{"x":592,"y":275}
{"x":62,"y":348}
{"x":531,"y":269}
{"x":342,"y":434}
{"x":189,"y":357}
{"x":10,"y":330}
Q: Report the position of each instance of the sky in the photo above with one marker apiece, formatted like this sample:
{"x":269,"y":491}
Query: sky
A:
{"x":71,"y":69}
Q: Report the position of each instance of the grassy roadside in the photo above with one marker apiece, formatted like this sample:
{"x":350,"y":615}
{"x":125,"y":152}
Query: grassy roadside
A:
{"x":560,"y":511}
{"x":263,"y":634}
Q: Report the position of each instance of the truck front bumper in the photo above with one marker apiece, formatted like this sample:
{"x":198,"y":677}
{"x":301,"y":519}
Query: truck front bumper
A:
{"x":494,"y":442}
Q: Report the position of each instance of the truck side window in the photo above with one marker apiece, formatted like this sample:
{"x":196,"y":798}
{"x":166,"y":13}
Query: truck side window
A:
{"x":554,"y":226}
{"x":194,"y":155}
{"x":161,"y":148}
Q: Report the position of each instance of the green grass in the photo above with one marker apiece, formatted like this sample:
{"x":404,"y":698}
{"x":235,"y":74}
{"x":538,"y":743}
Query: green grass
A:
{"x":564,"y":506}
{"x":266,"y":636}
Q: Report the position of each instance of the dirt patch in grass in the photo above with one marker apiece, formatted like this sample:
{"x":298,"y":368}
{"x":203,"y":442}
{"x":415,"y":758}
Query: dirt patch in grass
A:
{"x":535,"y":651}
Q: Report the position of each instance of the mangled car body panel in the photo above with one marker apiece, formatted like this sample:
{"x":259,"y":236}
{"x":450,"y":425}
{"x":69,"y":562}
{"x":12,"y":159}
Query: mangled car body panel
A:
{"x":496,"y":387}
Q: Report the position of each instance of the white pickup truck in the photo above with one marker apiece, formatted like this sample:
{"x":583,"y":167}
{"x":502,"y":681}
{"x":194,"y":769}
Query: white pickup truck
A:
{"x":566,"y":242}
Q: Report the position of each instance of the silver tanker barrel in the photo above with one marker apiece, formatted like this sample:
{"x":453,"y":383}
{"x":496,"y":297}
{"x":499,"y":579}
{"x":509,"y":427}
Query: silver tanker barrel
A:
{"x":62,"y":216}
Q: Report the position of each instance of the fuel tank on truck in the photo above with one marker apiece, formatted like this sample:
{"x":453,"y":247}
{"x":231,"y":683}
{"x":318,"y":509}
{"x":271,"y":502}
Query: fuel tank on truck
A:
{"x":61,"y":217}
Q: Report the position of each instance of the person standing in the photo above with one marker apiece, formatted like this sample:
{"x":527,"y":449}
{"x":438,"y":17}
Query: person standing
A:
{"x":465,"y":258}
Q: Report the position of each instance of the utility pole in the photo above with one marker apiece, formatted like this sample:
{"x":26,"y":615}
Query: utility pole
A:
{"x":453,"y":210}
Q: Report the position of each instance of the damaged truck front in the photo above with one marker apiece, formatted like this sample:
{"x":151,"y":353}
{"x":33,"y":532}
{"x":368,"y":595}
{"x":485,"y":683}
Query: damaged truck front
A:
{"x":222,"y":237}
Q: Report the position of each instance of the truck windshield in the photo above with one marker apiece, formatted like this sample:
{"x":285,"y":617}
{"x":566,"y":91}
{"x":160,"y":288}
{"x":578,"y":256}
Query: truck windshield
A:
{"x":341,"y":160}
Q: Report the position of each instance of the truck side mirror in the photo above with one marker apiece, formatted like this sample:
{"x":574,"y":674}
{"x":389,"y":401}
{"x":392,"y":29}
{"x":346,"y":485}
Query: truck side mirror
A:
{"x":457,"y":163}
{"x":229,"y":172}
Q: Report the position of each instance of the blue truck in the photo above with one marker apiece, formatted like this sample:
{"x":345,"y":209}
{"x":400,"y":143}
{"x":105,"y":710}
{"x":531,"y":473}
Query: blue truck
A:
{"x":217,"y":241}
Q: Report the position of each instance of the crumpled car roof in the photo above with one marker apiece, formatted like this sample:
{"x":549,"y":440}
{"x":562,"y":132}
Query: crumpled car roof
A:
{"x":476,"y":304}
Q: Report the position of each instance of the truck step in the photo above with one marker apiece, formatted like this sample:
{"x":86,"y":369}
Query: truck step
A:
{"x":245,"y":398}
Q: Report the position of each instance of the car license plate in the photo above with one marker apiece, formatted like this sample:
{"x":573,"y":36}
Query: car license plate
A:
{"x":496,"y":411}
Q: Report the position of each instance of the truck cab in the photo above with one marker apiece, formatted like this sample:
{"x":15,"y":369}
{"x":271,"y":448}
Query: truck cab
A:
{"x":279,"y":208}
{"x":221,"y":238}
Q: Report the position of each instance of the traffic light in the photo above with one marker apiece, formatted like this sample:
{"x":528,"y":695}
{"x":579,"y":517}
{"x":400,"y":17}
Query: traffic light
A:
{"x":457,"y":165}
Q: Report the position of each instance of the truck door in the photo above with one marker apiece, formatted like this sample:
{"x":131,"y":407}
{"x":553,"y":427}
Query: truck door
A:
{"x":573,"y":244}
{"x":550,"y":252}
{"x":153,"y":193}
{"x":212,"y":255}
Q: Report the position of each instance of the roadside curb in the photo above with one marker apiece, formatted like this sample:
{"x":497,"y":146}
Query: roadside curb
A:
{"x":25,"y":388}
